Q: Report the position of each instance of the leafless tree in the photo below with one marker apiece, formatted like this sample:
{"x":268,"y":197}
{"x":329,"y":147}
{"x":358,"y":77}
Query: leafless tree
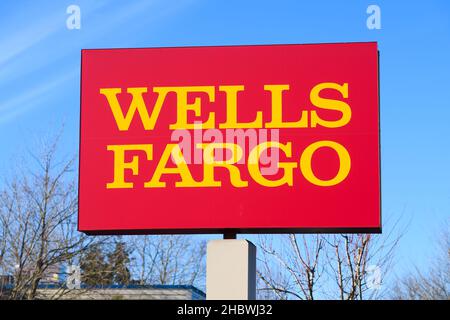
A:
{"x":339,"y":266}
{"x":169,"y":259}
{"x":349,"y":257}
{"x":38,"y":221}
{"x":38,"y":233}
{"x":431,"y":284}
{"x":300,"y":257}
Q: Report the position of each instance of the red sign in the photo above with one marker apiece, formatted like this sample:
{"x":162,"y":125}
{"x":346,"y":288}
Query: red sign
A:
{"x":277,"y":138}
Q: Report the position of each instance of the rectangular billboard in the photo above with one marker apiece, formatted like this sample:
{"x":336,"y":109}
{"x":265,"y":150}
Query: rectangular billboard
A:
{"x":250,"y":139}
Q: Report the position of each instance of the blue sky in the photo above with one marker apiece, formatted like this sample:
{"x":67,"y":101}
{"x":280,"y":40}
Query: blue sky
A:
{"x":40,"y":63}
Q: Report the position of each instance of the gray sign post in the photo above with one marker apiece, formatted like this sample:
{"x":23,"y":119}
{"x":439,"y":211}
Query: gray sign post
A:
{"x":231,"y":270}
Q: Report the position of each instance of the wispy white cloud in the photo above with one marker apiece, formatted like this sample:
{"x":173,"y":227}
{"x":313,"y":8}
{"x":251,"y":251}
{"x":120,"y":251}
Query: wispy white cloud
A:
{"x":18,"y":42}
{"x":32,"y":51}
{"x":38,"y":27}
{"x":32,"y":98}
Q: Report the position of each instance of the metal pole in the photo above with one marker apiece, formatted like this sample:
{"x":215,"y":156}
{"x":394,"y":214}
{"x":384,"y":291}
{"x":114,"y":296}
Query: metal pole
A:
{"x":229,"y":235}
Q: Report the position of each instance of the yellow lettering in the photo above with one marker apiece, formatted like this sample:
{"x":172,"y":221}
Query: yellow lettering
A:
{"x":181,"y":169}
{"x":232,"y":122}
{"x":288,"y":167}
{"x":344,"y":163}
{"x":277,"y":109}
{"x":120,"y":165}
{"x":210,"y":164}
{"x":330,"y":104}
{"x":137,"y":104}
{"x":183,"y":107}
